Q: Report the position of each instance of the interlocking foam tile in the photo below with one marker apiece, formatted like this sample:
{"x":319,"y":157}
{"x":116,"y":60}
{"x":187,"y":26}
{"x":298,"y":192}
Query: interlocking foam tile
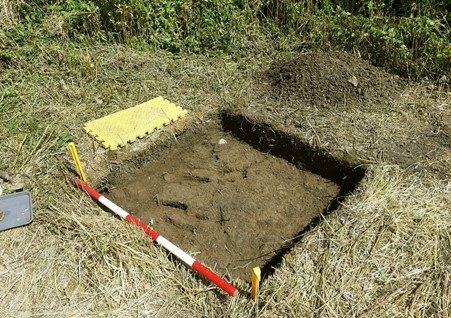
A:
{"x":127,"y":125}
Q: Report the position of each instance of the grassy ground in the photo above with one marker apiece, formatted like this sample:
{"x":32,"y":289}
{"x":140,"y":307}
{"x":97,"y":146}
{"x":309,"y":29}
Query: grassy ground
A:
{"x":385,"y":252}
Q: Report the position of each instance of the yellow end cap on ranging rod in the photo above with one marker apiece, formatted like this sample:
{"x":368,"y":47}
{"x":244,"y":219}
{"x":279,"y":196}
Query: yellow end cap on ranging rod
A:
{"x":256,"y":277}
{"x":73,"y":151}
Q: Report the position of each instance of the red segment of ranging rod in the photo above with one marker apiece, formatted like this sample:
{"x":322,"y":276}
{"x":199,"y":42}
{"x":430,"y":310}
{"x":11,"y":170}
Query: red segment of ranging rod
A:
{"x":197,"y":266}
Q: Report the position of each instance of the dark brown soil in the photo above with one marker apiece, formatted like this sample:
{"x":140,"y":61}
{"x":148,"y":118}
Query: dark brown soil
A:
{"x":229,"y":205}
{"x":329,"y":79}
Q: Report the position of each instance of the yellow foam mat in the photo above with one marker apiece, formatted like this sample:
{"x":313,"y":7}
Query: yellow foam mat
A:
{"x":117,"y":129}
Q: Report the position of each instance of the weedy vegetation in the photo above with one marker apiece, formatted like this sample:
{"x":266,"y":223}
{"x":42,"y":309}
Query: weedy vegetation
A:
{"x":410,"y":38}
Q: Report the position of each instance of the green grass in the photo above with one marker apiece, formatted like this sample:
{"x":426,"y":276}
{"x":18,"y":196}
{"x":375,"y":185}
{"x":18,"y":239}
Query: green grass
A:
{"x":409,"y":38}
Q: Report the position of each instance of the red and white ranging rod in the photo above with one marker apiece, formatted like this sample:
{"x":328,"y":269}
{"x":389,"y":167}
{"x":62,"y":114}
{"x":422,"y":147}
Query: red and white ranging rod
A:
{"x":197,"y":266}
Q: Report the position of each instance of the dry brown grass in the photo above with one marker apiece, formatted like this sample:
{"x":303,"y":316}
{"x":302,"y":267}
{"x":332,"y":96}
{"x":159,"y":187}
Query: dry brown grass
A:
{"x":385,"y":253}
{"x":412,"y":131}
{"x":8,"y":16}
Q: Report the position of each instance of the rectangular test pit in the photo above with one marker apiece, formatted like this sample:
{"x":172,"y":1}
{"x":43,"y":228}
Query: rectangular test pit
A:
{"x":232,"y":206}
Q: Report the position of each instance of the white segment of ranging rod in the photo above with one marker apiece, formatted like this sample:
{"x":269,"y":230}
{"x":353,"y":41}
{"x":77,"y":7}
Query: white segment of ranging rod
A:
{"x":175,"y":250}
{"x":113,"y":207}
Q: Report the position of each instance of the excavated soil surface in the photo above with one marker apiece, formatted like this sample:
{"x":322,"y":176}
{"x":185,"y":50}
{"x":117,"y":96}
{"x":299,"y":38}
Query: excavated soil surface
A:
{"x":229,"y":205}
{"x":329,"y":79}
